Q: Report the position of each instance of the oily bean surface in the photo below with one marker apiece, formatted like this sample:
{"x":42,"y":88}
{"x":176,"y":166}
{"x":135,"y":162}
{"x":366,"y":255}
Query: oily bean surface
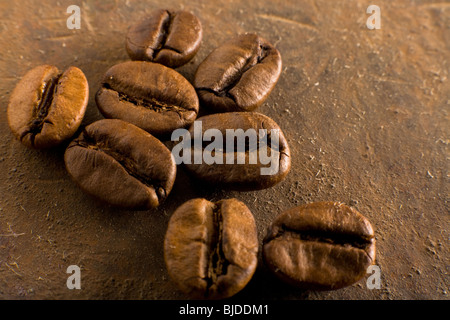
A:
{"x":47,"y":106}
{"x":239,"y":75}
{"x":121,"y":164}
{"x":210,"y":249}
{"x":171,"y":38}
{"x":149,"y":95}
{"x":320,"y":246}
{"x":252,"y":173}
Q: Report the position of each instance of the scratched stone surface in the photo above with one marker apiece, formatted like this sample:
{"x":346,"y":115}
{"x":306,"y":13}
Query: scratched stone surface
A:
{"x":365,"y":113}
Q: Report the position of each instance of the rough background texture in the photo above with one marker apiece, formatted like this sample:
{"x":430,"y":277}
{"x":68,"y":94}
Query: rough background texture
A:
{"x":365,"y":113}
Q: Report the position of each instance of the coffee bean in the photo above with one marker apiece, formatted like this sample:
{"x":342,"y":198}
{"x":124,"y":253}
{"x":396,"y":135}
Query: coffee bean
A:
{"x":320,"y":246}
{"x":258,"y":157}
{"x":121,"y":164}
{"x":47,"y":106}
{"x":171,"y":38}
{"x":149,"y":95}
{"x":239,"y":75}
{"x":210,"y":249}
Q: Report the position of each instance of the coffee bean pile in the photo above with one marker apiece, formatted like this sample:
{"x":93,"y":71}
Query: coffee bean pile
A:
{"x":210,"y":249}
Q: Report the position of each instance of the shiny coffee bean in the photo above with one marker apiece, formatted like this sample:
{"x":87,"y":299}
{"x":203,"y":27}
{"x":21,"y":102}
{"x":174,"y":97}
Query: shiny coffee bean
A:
{"x":236,"y":150}
{"x":239,"y":75}
{"x":210,"y":249}
{"x":320,"y":246}
{"x":171,"y":38}
{"x":121,"y":164}
{"x":149,"y":95}
{"x":47,"y":106}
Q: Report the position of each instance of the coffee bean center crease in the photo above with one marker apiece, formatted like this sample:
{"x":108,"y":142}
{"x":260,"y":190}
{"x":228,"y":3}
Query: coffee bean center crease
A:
{"x":163,"y":34}
{"x":330,"y":237}
{"x":42,"y":108}
{"x":149,"y":103}
{"x":217,"y":264}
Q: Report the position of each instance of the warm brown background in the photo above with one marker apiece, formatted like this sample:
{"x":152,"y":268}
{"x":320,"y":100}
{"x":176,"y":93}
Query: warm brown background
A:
{"x":365,"y":113}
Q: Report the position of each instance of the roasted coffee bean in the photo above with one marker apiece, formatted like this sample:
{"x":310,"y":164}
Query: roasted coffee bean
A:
{"x":210,"y":248}
{"x":121,"y":164}
{"x":171,"y":38}
{"x":239,"y":75}
{"x":149,"y":95}
{"x":249,"y":151}
{"x":47,"y":106}
{"x":320,"y":246}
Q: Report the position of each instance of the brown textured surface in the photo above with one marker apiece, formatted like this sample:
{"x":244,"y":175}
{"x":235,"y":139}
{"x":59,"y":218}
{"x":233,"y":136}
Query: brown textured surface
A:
{"x":365,"y":113}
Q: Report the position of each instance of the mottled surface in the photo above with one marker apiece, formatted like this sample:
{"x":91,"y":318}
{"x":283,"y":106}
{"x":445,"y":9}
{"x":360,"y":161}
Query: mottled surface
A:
{"x":365,"y":113}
